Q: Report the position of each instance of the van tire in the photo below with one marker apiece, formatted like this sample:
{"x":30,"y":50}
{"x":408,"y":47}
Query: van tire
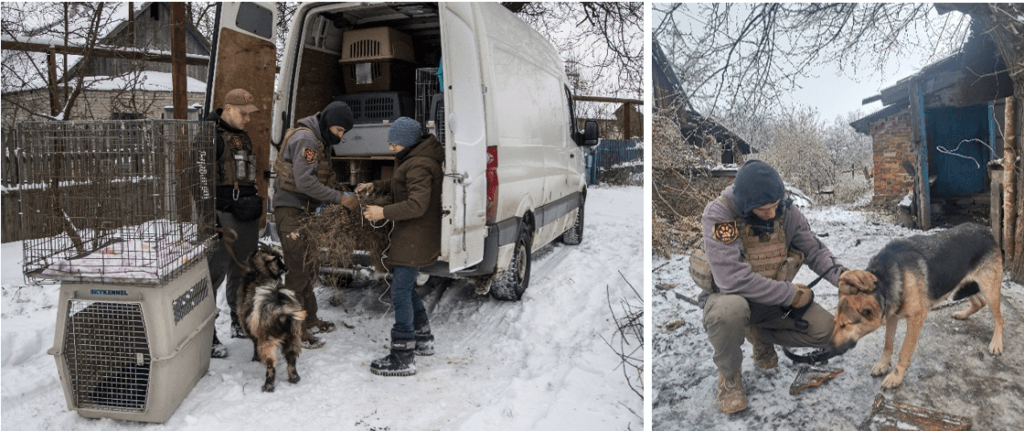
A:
{"x":574,"y":236}
{"x":511,"y":284}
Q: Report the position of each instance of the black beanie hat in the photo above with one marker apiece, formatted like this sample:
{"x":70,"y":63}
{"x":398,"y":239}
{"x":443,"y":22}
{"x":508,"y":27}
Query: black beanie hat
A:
{"x":757,"y":184}
{"x":335,"y":114}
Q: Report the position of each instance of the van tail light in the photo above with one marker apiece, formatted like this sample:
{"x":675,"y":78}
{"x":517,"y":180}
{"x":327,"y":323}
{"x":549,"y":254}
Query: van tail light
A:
{"x":492,"y":184}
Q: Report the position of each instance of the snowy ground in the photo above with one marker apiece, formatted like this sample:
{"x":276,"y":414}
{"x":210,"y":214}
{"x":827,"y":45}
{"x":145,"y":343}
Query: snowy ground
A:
{"x":951,"y":370}
{"x":538,"y":364}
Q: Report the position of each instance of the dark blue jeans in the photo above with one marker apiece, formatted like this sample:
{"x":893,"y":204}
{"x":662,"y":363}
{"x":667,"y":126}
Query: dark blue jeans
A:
{"x":409,"y":311}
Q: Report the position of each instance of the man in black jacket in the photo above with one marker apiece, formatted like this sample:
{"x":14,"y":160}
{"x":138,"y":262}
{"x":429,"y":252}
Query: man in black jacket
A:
{"x":238,"y":206}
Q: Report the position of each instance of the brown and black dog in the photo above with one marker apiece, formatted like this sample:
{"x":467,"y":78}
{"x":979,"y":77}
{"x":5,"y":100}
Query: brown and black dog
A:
{"x":270,"y":315}
{"x":910,"y":276}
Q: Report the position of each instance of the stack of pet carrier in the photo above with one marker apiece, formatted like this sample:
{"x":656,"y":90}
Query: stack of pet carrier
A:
{"x":379,"y":77}
{"x":121,"y":214}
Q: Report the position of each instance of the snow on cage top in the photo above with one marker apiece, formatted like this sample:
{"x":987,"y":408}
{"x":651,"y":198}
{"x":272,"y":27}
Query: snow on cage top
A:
{"x":115,"y":201}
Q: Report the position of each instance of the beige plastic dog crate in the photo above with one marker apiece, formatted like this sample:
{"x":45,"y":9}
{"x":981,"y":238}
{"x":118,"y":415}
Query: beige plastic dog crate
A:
{"x":375,"y":44}
{"x":134,"y":352}
{"x":121,"y":213}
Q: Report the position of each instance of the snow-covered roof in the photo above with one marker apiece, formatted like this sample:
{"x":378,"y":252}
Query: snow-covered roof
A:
{"x":147,"y":80}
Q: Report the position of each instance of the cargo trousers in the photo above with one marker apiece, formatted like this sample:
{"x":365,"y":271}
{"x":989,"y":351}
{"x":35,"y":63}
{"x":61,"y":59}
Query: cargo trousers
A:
{"x":242,"y":243}
{"x":726,"y":318}
{"x":299,"y":278}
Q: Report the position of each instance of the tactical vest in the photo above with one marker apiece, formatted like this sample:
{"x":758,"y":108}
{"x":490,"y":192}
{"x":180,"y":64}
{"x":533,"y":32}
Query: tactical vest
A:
{"x":237,"y":163}
{"x":766,"y":254}
{"x":286,"y":174}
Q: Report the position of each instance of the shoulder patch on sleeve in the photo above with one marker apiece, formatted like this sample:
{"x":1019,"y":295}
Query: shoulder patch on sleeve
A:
{"x":309,"y":155}
{"x":726,"y":232}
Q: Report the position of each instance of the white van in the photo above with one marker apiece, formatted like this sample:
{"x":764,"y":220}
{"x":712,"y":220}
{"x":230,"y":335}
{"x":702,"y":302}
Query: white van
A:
{"x":501,"y":105}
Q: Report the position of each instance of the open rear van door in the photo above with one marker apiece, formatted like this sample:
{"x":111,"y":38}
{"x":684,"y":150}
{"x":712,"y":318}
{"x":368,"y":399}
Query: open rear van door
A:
{"x":245,"y":56}
{"x":464,"y":225}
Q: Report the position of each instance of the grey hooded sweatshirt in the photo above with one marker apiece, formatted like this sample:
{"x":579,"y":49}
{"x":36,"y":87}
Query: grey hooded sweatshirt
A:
{"x":733,"y":276}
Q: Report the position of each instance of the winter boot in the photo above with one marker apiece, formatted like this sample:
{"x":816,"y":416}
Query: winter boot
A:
{"x":316,"y":326}
{"x":310,"y":341}
{"x":402,"y":359}
{"x":424,"y":341}
{"x":732,"y":397}
{"x":218,"y":350}
{"x":764,"y":352}
{"x":236,"y":328}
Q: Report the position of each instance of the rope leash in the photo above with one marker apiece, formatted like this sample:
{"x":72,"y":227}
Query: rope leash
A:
{"x":384,"y":253}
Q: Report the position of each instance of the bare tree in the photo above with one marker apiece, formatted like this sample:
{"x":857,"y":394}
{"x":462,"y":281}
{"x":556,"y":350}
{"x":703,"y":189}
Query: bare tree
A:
{"x":606,"y":39}
{"x":285,"y":14}
{"x":81,"y":23}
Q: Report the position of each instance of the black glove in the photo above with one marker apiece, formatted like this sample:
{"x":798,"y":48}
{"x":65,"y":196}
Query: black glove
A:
{"x":797,"y":314}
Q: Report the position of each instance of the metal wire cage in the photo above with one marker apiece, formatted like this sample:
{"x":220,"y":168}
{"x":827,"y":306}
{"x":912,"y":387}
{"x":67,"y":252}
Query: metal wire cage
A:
{"x":115,"y":201}
{"x":426,"y":87}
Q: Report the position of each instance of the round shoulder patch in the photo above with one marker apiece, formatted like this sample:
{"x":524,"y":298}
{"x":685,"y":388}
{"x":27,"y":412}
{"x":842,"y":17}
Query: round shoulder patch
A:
{"x":726,"y":232}
{"x":309,"y":154}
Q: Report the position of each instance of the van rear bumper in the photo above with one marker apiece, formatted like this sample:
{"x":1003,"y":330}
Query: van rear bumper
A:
{"x":485,"y":267}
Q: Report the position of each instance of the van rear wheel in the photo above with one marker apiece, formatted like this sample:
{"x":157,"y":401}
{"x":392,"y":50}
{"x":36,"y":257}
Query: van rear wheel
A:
{"x":513,"y":282}
{"x":574,"y":236}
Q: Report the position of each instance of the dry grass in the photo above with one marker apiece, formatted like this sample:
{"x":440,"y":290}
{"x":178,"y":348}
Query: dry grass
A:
{"x":336,"y":232}
{"x":682,"y":187}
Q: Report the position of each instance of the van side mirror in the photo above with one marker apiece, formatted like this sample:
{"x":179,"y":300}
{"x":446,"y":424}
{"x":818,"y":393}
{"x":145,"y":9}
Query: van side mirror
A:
{"x":590,"y":134}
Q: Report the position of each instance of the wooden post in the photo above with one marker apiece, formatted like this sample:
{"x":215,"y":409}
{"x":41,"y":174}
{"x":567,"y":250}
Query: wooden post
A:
{"x":51,"y":75}
{"x":131,"y":23}
{"x":179,"y":79}
{"x":1009,"y":179}
{"x":918,"y":128}
{"x":627,"y":111}
{"x":995,"y":174}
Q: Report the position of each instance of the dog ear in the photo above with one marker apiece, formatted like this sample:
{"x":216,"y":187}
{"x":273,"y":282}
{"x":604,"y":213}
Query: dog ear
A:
{"x":857,"y":281}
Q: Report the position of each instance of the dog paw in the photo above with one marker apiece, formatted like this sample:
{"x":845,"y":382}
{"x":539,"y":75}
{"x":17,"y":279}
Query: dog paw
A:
{"x":893,"y":380}
{"x":961,"y":315}
{"x":269,"y":387}
{"x":880,"y":369}
{"x":996,"y":348}
{"x":294,"y":379}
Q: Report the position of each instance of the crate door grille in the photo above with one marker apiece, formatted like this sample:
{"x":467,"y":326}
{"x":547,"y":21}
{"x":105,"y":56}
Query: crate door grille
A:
{"x":380,"y":107}
{"x":107,"y":355}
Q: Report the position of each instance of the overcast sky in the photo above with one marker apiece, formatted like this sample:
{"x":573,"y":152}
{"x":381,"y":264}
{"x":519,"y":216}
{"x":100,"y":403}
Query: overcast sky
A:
{"x":836,"y":95}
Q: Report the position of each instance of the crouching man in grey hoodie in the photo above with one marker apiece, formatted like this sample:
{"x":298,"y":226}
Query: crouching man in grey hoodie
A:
{"x":754,"y":242}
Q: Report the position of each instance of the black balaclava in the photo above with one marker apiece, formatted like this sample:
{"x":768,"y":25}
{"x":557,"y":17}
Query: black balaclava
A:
{"x":335,"y":114}
{"x":758,"y":184}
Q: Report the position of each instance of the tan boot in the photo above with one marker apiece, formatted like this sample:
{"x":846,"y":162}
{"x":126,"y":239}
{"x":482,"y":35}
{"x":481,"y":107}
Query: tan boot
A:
{"x":732,"y":397}
{"x":764,"y":352}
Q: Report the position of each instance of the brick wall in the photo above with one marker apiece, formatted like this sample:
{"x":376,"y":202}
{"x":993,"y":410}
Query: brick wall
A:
{"x":892,"y":144}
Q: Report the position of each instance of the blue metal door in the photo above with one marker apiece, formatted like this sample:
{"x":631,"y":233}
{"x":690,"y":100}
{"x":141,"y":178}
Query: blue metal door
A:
{"x":958,"y":152}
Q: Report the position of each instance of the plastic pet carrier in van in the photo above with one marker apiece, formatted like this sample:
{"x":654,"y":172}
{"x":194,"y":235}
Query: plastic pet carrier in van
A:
{"x":387,"y":75}
{"x":378,"y":107}
{"x":375,"y":44}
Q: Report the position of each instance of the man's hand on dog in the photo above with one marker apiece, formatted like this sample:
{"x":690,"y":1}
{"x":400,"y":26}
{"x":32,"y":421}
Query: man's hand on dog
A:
{"x":803,"y":296}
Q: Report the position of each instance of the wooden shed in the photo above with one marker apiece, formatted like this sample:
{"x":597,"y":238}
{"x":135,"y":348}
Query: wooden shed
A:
{"x":936,"y":133}
{"x":670,"y":100}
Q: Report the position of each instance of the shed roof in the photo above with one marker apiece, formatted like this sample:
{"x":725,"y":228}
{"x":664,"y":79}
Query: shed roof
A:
{"x":975,"y":74}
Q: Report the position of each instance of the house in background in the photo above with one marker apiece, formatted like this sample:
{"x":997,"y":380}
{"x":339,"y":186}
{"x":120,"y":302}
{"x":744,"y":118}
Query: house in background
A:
{"x":670,"y":101}
{"x":121,"y":88}
{"x":941,"y":124}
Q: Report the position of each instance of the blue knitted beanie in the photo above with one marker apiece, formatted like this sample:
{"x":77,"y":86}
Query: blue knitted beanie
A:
{"x":757,"y":184}
{"x":405,"y":132}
